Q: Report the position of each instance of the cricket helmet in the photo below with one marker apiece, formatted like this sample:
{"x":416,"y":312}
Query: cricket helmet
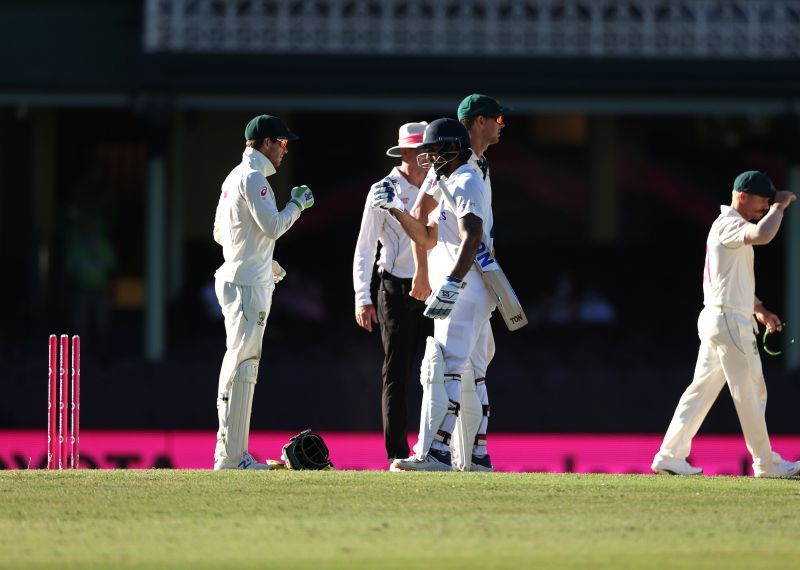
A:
{"x":444,"y":140}
{"x":446,"y":130}
{"x":306,"y":450}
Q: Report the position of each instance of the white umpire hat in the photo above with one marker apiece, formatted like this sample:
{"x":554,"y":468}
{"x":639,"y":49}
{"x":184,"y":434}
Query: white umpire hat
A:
{"x":409,"y":136}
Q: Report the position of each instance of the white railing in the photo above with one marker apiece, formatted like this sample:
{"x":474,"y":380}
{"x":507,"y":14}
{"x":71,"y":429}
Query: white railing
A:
{"x":752,"y":29}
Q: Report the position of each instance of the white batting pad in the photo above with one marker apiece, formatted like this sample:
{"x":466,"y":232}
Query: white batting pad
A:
{"x":434,"y":396}
{"x":234,"y":409}
{"x":467,"y":422}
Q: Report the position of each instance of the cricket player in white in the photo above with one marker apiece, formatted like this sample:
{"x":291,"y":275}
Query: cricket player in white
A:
{"x":726,"y":327}
{"x":246,"y":225}
{"x":483,"y":117}
{"x":461,"y":303}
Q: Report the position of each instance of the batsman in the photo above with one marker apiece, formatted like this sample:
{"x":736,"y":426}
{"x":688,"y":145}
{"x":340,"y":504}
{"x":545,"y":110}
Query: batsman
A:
{"x":460,"y":301}
{"x":484,"y":118}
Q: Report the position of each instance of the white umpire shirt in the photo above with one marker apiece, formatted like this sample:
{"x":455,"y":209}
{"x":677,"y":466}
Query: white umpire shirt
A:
{"x":248,"y":222}
{"x":728,"y":277}
{"x":396,"y":250}
{"x":468,"y":190}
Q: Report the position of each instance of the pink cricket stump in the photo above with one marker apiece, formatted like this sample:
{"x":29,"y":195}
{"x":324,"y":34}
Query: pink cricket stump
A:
{"x":52,"y":396}
{"x":62,"y":404}
{"x":76,"y":400}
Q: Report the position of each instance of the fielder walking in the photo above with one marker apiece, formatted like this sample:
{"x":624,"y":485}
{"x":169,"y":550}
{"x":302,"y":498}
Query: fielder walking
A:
{"x":460,"y":302}
{"x":246,"y":225}
{"x":402,"y":325}
{"x":726,"y":327}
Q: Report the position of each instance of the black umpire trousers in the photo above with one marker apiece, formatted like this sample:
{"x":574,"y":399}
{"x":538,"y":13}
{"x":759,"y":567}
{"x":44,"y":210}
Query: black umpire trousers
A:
{"x":403,"y":332}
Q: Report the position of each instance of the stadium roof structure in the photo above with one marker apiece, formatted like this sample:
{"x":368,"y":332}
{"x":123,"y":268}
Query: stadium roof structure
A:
{"x":601,"y":56}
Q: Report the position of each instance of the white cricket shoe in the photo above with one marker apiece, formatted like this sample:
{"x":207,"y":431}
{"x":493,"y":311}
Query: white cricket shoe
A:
{"x":779,"y":467}
{"x":662,"y":465}
{"x":436,"y":460}
{"x":246,"y":461}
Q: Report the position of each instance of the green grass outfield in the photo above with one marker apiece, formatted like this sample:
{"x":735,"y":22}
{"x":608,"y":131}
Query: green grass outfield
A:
{"x":360,"y":519}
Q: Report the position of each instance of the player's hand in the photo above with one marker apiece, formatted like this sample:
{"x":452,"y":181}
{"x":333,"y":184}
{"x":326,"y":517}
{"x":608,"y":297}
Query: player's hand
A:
{"x":384,"y":196}
{"x":302,"y":197}
{"x":278,"y":272}
{"x":366,"y":316}
{"x":420,"y":288}
{"x":769,"y":320}
{"x":441,"y":302}
{"x":784,"y":198}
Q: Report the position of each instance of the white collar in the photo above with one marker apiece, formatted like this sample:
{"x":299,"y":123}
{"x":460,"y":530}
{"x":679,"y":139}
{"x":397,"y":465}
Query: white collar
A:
{"x":259,"y":161}
{"x":728,"y":211}
{"x":460,"y":169}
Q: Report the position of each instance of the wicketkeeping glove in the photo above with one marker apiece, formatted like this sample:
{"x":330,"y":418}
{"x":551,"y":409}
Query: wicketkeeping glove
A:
{"x":302,"y":196}
{"x":384,"y":196}
{"x":442,"y":300}
{"x":278,"y":272}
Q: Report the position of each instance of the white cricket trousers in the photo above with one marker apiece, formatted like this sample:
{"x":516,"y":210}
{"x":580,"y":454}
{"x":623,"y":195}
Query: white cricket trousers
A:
{"x":728,"y":353}
{"x":466,"y":335}
{"x":245,"y":309}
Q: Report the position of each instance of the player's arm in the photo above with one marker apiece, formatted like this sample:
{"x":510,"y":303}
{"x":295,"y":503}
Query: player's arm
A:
{"x":218,"y":223}
{"x":273,"y":222}
{"x":423,"y":206}
{"x":767,"y":228}
{"x":470,"y":228}
{"x":384,"y":196}
{"x":422,"y":234}
{"x":363,"y":263}
{"x":420,"y":282}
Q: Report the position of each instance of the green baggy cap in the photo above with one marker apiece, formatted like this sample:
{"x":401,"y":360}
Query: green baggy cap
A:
{"x":265,"y":126}
{"x":755,"y":182}
{"x":477,"y":104}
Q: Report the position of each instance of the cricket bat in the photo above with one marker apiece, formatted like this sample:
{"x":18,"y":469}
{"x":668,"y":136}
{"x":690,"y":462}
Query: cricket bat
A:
{"x":494,"y":277}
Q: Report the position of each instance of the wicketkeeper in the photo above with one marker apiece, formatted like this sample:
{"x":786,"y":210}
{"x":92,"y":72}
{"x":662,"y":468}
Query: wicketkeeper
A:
{"x":247,"y":224}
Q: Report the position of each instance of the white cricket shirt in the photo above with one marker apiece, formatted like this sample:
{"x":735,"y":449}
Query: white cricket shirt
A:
{"x":378,"y":225}
{"x":248,"y":222}
{"x":430,"y":188}
{"x":728,"y":277}
{"x":469,"y":192}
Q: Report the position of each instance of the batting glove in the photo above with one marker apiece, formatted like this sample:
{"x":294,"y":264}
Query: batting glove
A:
{"x":442,"y":300}
{"x":384,"y":196}
{"x":278,"y":272}
{"x":302,"y":197}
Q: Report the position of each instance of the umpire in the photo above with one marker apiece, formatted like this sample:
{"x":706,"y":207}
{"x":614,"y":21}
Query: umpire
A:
{"x":403,"y":328}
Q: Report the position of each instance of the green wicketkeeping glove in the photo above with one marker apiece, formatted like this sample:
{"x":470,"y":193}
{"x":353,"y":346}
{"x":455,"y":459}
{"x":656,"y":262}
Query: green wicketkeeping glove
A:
{"x":302,"y":196}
